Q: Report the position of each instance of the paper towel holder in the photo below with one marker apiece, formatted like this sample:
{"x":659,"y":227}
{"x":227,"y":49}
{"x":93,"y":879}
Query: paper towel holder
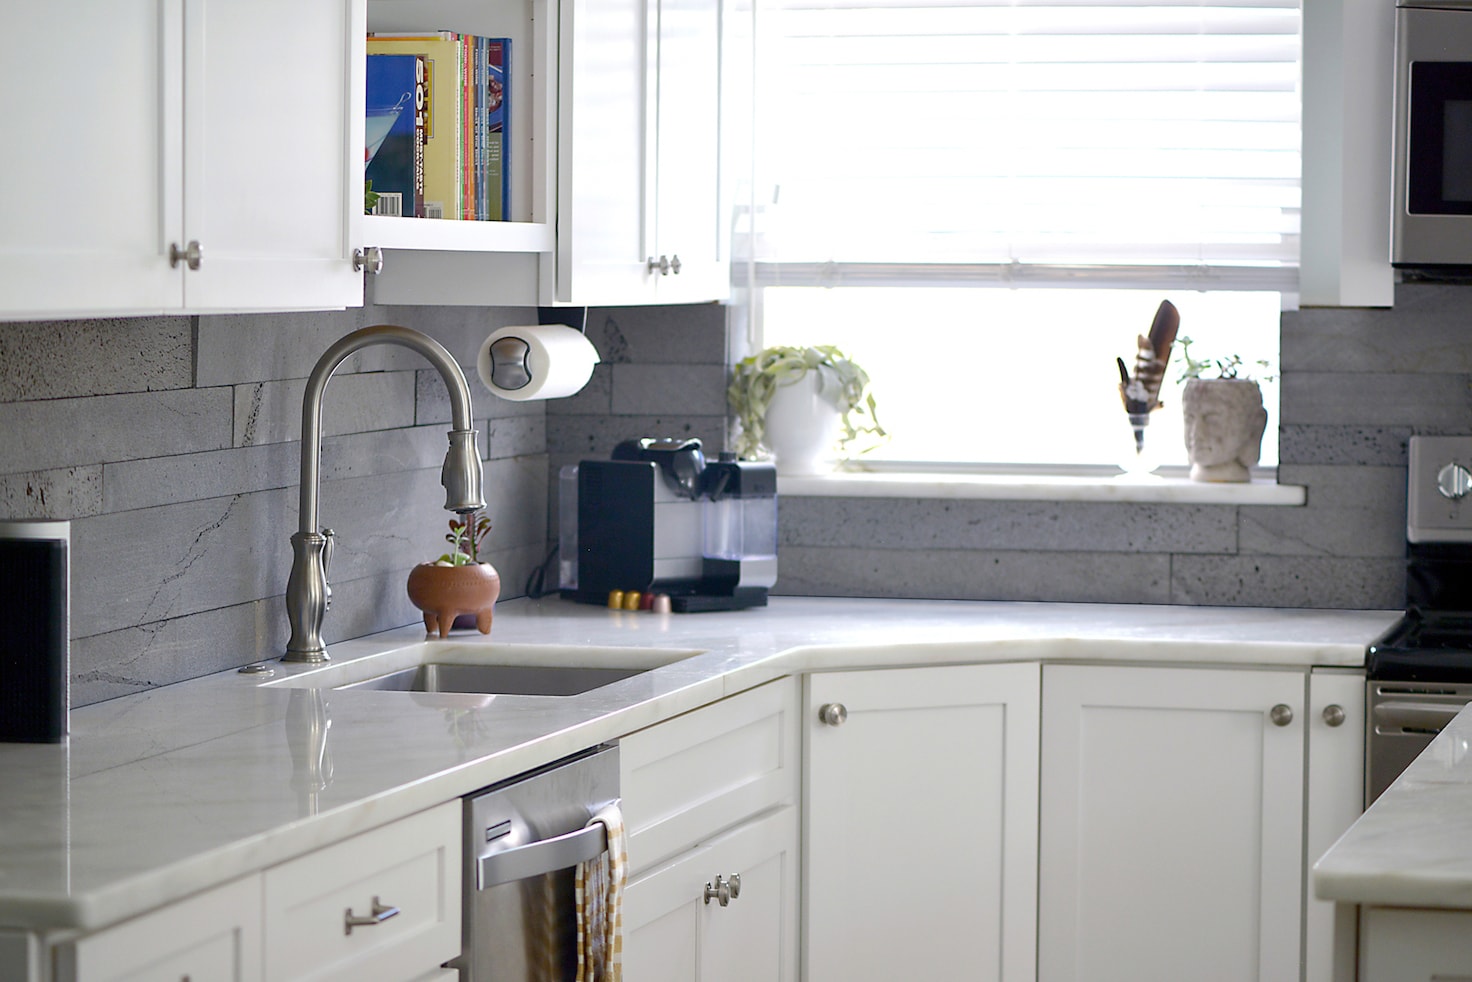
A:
{"x":549,"y":360}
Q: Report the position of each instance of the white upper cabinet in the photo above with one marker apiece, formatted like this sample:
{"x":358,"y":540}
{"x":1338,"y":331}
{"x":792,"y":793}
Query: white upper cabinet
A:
{"x":639,"y":187}
{"x":181,"y":155}
{"x":639,"y":136}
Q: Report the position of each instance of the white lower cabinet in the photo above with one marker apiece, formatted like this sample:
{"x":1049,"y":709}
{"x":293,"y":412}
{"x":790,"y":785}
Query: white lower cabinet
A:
{"x":397,"y":888}
{"x":1416,"y":945}
{"x":725,"y":912}
{"x":709,"y":801}
{"x":920,"y":824}
{"x":1171,"y":835}
{"x":212,"y":937}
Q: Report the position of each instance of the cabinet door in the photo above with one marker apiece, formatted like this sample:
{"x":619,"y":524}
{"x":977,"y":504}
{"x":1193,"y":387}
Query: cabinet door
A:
{"x":639,"y":153}
{"x":92,"y":168}
{"x":687,"y":220}
{"x":604,"y":159}
{"x":212,"y":937}
{"x":1171,"y":834}
{"x":672,"y":933}
{"x":921,"y":825}
{"x":1416,"y":945}
{"x":1336,"y":794}
{"x":327,"y":914}
{"x":273,"y":138}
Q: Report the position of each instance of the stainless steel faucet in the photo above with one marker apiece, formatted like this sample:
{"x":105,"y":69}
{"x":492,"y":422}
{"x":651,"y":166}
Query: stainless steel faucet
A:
{"x":307,"y":593}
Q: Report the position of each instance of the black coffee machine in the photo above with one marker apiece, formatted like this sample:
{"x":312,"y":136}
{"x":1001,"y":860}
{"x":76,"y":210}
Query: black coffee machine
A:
{"x":658,"y":518}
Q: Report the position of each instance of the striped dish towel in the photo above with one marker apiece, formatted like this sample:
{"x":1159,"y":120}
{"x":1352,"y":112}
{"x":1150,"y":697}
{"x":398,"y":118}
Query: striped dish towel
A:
{"x":599,"y":886}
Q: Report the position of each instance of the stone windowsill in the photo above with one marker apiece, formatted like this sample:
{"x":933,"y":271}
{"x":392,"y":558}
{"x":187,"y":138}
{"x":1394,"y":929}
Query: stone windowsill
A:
{"x":1040,"y":487}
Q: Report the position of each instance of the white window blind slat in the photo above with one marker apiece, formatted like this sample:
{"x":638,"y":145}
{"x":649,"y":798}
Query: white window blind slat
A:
{"x":1052,"y":132}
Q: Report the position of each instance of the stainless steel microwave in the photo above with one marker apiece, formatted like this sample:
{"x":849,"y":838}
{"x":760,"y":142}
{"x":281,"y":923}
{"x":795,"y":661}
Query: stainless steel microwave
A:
{"x":1432,"y":219}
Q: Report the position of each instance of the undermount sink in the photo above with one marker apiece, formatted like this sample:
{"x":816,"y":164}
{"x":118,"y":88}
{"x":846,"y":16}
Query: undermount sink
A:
{"x":488,"y":668}
{"x":509,"y":680}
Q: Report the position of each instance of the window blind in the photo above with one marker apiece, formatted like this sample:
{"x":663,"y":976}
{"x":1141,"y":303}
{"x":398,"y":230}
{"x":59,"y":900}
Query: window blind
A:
{"x":1031,"y":142}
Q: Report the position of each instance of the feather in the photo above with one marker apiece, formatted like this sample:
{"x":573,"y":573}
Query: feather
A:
{"x":1140,"y":393}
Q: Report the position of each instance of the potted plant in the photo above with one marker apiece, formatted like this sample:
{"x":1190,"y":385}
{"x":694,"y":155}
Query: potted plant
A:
{"x":1224,"y":417}
{"x":458,"y":584}
{"x":801,"y":404}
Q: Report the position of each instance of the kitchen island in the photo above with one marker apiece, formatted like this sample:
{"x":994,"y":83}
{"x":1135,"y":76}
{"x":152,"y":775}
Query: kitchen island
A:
{"x":166,"y":793}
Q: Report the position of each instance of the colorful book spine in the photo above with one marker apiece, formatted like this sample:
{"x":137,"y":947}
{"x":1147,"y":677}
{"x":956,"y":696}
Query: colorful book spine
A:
{"x":498,"y":127}
{"x":444,"y":141}
{"x":393,"y":154}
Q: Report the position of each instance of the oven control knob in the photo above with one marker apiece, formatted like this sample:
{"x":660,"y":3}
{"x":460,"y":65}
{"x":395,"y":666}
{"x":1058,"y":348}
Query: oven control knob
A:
{"x":1454,"y":481}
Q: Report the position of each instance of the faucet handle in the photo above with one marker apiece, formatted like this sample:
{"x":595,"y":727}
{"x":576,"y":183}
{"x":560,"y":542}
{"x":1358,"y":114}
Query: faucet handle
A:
{"x":330,"y":538}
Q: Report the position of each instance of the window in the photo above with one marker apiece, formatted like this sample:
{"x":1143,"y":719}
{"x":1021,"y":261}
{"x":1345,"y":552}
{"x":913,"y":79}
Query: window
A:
{"x":984,"y":202}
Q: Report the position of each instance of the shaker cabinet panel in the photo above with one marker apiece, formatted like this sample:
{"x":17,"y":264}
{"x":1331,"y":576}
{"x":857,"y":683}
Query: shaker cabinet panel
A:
{"x":181,"y":155}
{"x":676,"y":928}
{"x":920,"y":838}
{"x":212,"y":937}
{"x":1171,"y":834}
{"x":93,"y":137}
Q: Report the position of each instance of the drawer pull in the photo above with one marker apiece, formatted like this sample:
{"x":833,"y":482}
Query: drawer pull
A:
{"x":381,"y":913}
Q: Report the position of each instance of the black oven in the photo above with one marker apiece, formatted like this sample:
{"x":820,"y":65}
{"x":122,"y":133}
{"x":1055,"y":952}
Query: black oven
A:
{"x":1420,"y":671}
{"x":1432,"y":203}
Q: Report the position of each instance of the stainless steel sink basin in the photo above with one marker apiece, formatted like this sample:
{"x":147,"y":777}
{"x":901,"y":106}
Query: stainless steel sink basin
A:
{"x":516,"y":680}
{"x":486,"y":668}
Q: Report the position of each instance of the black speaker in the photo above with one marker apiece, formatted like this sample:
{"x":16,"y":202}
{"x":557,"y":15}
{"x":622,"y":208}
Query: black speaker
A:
{"x":33,"y":639}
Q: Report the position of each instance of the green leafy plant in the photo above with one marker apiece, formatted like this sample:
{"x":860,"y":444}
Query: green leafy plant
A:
{"x":1230,"y":367}
{"x":370,"y":198}
{"x":755,"y":379}
{"x":466,"y":534}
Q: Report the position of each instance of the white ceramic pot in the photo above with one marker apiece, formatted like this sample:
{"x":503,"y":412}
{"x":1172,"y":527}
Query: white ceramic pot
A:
{"x":802,"y":427}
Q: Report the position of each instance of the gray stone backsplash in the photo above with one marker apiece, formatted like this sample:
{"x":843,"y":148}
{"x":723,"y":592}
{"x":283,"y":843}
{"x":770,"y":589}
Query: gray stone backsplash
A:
{"x":172,"y":446}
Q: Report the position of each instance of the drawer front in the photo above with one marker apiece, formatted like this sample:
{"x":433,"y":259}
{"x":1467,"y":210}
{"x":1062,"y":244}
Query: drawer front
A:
{"x":212,"y":937}
{"x":412,"y":865}
{"x":688,"y":778}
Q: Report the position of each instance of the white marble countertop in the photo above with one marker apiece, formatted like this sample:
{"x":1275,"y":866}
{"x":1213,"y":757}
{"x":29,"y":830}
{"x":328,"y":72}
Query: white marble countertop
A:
{"x":1413,"y":846}
{"x":161,"y":794}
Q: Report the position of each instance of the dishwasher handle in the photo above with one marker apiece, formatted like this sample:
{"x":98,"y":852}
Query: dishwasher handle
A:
{"x":1423,"y":717}
{"x":543,"y":856}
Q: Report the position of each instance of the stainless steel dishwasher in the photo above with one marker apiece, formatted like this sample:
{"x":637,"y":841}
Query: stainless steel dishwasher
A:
{"x":522,"y":840}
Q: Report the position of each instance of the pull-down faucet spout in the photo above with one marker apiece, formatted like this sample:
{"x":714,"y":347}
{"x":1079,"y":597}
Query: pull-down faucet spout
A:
{"x":307,"y":593}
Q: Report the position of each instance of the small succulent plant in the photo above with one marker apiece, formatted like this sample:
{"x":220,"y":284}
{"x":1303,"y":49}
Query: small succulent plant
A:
{"x":466,"y":534}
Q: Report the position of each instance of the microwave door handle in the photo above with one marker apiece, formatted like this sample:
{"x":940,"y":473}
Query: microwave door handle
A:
{"x":543,"y":856}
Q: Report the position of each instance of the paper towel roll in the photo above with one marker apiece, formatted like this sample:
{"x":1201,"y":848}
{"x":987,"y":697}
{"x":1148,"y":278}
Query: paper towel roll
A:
{"x":545,"y":361}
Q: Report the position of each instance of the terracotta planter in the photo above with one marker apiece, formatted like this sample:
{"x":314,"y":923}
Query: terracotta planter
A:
{"x":446,"y":592}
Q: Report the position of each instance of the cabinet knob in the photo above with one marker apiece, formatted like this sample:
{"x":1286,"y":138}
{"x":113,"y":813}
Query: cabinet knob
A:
{"x":675,"y":264}
{"x":368,"y":260}
{"x":1334,"y":715}
{"x":379,"y":913}
{"x":833,"y":713}
{"x":723,"y":890}
{"x":190,"y":255}
{"x":1281,"y":714}
{"x":660,"y":265}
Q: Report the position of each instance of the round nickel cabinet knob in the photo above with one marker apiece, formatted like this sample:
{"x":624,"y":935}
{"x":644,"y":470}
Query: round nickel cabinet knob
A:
{"x":1281,"y":714}
{"x":833,"y":713}
{"x":1334,"y":715}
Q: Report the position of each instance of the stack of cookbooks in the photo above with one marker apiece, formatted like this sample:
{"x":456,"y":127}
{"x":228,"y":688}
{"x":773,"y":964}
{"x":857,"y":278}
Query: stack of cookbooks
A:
{"x":449,"y":92}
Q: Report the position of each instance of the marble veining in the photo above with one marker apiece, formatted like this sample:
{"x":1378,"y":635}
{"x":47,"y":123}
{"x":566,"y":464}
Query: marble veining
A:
{"x":169,"y":791}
